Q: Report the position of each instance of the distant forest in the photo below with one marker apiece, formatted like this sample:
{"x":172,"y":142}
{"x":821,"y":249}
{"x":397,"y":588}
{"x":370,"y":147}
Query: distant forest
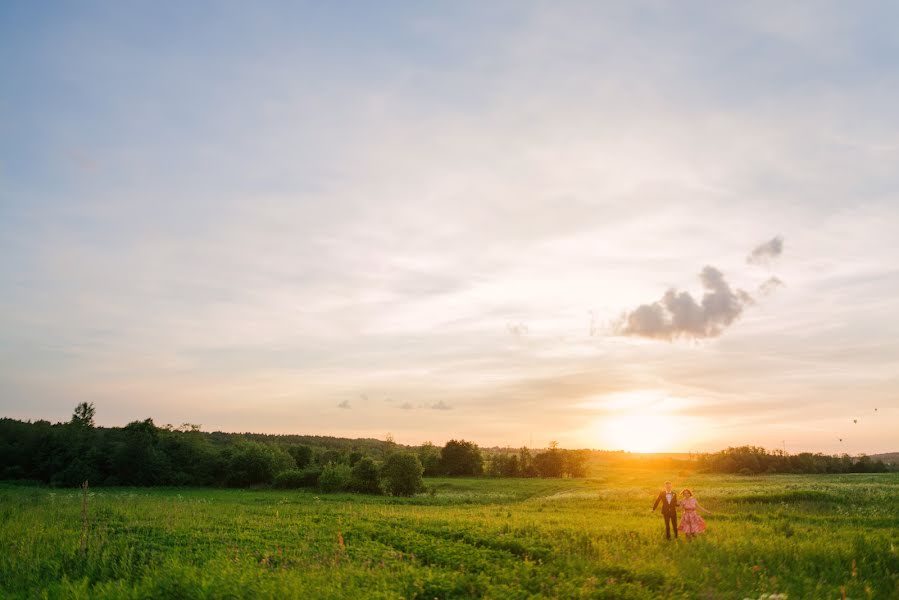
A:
{"x":144,"y":454}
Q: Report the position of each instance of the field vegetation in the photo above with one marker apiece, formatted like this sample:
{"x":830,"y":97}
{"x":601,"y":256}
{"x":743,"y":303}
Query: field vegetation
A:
{"x":802,"y":536}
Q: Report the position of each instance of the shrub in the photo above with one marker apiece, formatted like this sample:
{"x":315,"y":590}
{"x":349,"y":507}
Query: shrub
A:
{"x":366,"y":476}
{"x":296,"y":478}
{"x":335,"y":478}
{"x":402,"y":474}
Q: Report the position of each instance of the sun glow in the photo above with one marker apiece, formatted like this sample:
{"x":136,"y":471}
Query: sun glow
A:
{"x":641,"y":433}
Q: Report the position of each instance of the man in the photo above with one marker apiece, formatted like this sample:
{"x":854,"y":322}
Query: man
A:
{"x":669,"y":509}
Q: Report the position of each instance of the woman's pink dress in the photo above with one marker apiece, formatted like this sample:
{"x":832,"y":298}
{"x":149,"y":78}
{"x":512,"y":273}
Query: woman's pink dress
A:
{"x":690,"y":522}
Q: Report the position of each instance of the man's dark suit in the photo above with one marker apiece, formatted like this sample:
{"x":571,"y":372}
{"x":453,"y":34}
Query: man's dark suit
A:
{"x":669,"y":511}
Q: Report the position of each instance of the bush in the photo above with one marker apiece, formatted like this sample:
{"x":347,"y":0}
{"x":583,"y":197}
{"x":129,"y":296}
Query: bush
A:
{"x":366,"y":476}
{"x":335,"y":478}
{"x":297,"y":478}
{"x":402,"y":473}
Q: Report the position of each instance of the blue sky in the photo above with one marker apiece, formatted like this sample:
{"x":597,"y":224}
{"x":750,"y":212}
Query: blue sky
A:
{"x":432,"y":219}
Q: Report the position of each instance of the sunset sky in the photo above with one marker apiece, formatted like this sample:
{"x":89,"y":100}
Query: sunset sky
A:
{"x":456,"y":220}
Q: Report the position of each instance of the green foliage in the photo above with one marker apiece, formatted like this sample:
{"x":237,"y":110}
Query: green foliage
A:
{"x":325,"y":457}
{"x":801,"y":536}
{"x":366,"y":478}
{"x":143,"y":454}
{"x":459,"y":457}
{"x":526,"y":463}
{"x":84,"y":415}
{"x":289,"y":479}
{"x":301,"y":454}
{"x":553,"y":463}
{"x":136,"y":456}
{"x":298,"y":478}
{"x":429,"y":455}
{"x":549,"y":464}
{"x":750,"y":460}
{"x":335,"y":478}
{"x":402,"y":474}
{"x":252,"y":463}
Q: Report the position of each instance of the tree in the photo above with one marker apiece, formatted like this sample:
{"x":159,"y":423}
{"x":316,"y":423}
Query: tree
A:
{"x":302,"y":455}
{"x":335,"y":478}
{"x":252,"y":463}
{"x":83,"y":415}
{"x":549,"y":464}
{"x":575,"y":462}
{"x":526,"y":463}
{"x":429,"y":455}
{"x":193,"y":459}
{"x":503,"y":465}
{"x":331,"y":456}
{"x":366,"y":476}
{"x":459,"y":457}
{"x":402,"y":474}
{"x":136,"y":458}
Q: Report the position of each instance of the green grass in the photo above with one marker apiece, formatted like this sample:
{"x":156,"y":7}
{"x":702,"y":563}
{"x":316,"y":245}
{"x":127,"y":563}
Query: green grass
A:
{"x":804,"y":536}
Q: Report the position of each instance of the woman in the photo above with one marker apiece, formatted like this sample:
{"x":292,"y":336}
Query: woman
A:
{"x":691,"y":523}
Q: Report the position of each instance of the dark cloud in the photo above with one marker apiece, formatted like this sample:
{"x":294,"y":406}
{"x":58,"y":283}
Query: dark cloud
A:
{"x":441,"y":405}
{"x":678,"y":314}
{"x":765,"y":253}
{"x":406,"y":406}
{"x":344,"y":404}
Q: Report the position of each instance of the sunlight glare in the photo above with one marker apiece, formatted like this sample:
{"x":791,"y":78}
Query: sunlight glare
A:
{"x":641,"y":433}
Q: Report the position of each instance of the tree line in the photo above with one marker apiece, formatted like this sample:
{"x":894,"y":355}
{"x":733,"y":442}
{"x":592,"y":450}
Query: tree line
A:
{"x":144,"y":454}
{"x":753,"y":460}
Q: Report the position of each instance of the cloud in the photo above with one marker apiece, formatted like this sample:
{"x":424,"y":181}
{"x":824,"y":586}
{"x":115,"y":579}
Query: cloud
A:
{"x":344,"y":404}
{"x":441,"y":405}
{"x":517,"y":329}
{"x":678,"y":314}
{"x":770,"y":285}
{"x":406,"y":406}
{"x":765,"y":253}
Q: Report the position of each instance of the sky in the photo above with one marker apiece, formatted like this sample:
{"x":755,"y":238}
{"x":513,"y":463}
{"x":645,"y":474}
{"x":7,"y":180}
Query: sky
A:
{"x":650,"y":226}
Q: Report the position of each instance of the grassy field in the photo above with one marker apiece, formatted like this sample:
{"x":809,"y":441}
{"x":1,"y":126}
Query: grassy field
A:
{"x":802,"y":536}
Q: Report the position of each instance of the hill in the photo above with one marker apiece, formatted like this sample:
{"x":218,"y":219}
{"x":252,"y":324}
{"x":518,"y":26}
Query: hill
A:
{"x":887,"y":457}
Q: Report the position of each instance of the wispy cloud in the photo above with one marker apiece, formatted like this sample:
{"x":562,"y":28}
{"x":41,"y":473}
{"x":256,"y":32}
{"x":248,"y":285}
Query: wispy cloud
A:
{"x":260,"y":237}
{"x":517,"y":329}
{"x":770,"y":285}
{"x":764,"y":253}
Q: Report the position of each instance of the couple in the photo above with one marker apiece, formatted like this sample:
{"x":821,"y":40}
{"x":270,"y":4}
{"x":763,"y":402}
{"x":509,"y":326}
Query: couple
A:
{"x":691,"y":523}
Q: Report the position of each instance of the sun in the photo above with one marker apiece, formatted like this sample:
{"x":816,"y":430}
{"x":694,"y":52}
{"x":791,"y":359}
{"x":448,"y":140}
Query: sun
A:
{"x":640,"y":433}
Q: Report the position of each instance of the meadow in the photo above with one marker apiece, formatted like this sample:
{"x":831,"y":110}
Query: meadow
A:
{"x":793,"y":536}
